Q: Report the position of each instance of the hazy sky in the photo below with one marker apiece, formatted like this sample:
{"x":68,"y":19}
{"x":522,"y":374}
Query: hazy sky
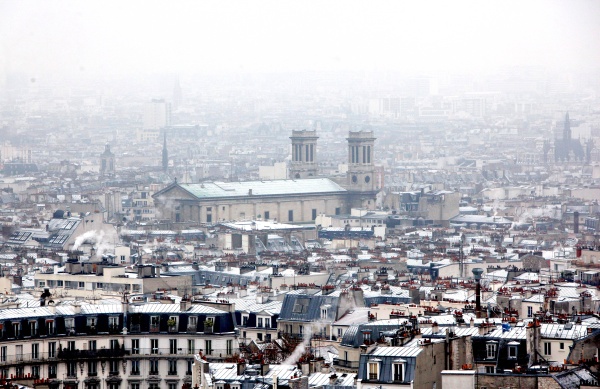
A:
{"x":197,"y":36}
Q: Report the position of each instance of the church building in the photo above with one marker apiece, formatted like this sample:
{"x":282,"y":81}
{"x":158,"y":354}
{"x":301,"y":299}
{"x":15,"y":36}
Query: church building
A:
{"x":299,"y":199}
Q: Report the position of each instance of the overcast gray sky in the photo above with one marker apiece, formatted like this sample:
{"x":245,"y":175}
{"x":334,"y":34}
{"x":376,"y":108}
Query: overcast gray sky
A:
{"x":198,"y":36}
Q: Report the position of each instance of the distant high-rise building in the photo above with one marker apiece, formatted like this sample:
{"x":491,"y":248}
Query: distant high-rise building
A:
{"x":107,"y":162}
{"x":177,"y":96}
{"x":157,"y":114}
{"x":165,"y":155}
{"x":304,"y":153}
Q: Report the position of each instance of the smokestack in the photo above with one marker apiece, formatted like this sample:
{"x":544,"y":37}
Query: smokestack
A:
{"x":477,"y":275}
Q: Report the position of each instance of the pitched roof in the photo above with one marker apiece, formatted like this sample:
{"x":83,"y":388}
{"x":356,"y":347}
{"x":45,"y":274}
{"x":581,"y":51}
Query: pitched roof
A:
{"x":260,"y":188}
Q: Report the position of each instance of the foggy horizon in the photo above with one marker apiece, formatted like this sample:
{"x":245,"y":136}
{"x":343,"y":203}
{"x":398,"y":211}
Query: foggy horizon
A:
{"x":98,"y":39}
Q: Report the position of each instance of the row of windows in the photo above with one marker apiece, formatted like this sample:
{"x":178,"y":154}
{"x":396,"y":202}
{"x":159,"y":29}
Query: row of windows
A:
{"x":260,"y":322}
{"x":398,"y":370}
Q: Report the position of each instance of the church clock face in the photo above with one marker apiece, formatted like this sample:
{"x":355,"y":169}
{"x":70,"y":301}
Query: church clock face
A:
{"x":354,"y":179}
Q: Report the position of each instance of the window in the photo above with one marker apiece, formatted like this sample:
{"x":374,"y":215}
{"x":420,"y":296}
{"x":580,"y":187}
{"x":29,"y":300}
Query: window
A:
{"x":20,"y":371}
{"x":530,"y":311}
{"x":173,"y":346}
{"x":35,"y":351}
{"x":244,"y":320}
{"x":134,"y":385}
{"x":339,"y":332}
{"x":208,"y":347}
{"x":122,"y":259}
{"x":259,"y":336}
{"x":154,"y":346}
{"x":92,"y":368}
{"x":260,"y":322}
{"x":135,"y":346}
{"x":3,"y":354}
{"x":373,"y":370}
{"x":49,"y":327}
{"x":398,"y":371}
{"x":135,"y":367}
{"x":114,"y":344}
{"x":490,"y":369}
{"x":209,"y":218}
{"x":71,"y":369}
{"x":491,"y":350}
{"x":190,"y":364}
{"x":71,"y":345}
{"x":33,"y":328}
{"x":301,"y":329}
{"x":172,"y":367}
{"x":113,"y":367}
{"x":229,"y":346}
{"x":91,"y":322}
{"x":154,"y":366}
{"x":70,"y":324}
{"x":81,"y":285}
{"x":267,"y":215}
{"x":268,"y":322}
{"x":193,"y":322}
{"x":314,"y":214}
{"x":171,"y":386}
{"x":17,"y":329}
{"x":512,"y":352}
{"x":367,"y":337}
{"x":154,"y":323}
{"x":561,"y":346}
{"x":338,"y":211}
{"x":59,"y":283}
{"x":35,"y":371}
{"x":92,"y":345}
{"x":290,"y":215}
{"x":191,"y":346}
{"x":52,"y":369}
{"x":301,"y":305}
{"x":113,"y":322}
{"x":323,"y":313}
{"x":547,"y":348}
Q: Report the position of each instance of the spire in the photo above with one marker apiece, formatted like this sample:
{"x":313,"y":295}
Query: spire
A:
{"x":567,"y":129}
{"x":165,"y":155}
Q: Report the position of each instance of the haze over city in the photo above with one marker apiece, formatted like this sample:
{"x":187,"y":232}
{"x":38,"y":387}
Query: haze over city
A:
{"x":299,"y":195}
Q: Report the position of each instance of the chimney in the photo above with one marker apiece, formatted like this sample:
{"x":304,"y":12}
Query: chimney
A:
{"x":264,"y":369}
{"x":333,"y":379}
{"x":477,"y":275}
{"x":241,"y":367}
{"x":77,"y":308}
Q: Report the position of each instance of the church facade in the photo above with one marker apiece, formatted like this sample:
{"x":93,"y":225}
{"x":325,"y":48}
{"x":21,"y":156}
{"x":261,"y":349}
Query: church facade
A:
{"x":296,"y":200}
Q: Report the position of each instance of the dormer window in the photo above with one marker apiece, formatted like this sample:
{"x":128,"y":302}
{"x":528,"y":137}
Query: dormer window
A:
{"x":244,"y":320}
{"x":16,"y":329}
{"x":70,"y":324}
{"x":373,"y":369}
{"x":399,"y":369}
{"x":513,"y":350}
{"x":113,"y":322}
{"x":91,"y":322}
{"x":33,"y":327}
{"x":491,"y":348}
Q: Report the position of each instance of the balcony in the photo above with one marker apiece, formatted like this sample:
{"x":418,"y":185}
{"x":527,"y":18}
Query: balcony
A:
{"x":154,"y":328}
{"x":92,"y":354}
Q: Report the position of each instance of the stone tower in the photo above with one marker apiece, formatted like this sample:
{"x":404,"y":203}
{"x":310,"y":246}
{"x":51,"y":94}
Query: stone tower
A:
{"x":360,"y":180}
{"x":107,"y":162}
{"x":304,"y":153}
